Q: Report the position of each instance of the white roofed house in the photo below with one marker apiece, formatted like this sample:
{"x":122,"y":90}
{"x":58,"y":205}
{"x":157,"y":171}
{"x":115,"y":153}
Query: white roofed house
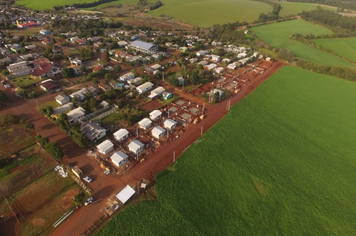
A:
{"x":156,"y":92}
{"x":19,"y":68}
{"x":105,"y":147}
{"x":144,"y":47}
{"x":62,"y":99}
{"x":93,"y":131}
{"x":121,"y":135}
{"x":119,"y":158}
{"x":215,"y":58}
{"x":145,"y":123}
{"x":75,"y":114}
{"x":155,"y":115}
{"x":158,"y":132}
{"x":144,"y":87}
{"x":127,"y":76}
{"x":170,"y":124}
{"x":219,"y":70}
{"x":136,"y":147}
{"x":134,"y":81}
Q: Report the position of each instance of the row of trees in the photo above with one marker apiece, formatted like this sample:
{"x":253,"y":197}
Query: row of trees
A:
{"x":82,"y":5}
{"x":52,"y":149}
{"x":342,"y":4}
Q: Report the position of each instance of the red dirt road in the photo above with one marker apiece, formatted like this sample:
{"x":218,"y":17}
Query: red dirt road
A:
{"x":105,"y":186}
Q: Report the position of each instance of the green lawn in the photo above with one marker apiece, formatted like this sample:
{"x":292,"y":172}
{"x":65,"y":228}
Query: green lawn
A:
{"x":25,"y":80}
{"x":41,"y":5}
{"x":281,"y":162}
{"x":278,"y":35}
{"x":344,"y":47}
{"x":206,"y":13}
{"x":293,"y":8}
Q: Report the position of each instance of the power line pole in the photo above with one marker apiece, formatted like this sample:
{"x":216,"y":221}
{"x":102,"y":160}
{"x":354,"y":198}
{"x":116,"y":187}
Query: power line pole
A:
{"x":201,"y":131}
{"x":203,"y":108}
{"x":174,"y":156}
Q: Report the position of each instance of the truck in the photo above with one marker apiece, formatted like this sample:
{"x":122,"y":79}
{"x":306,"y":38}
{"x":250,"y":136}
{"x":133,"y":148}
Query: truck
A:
{"x":78,"y":172}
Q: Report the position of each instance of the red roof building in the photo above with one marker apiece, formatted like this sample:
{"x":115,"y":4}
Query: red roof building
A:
{"x":42,"y":70}
{"x":96,"y":69}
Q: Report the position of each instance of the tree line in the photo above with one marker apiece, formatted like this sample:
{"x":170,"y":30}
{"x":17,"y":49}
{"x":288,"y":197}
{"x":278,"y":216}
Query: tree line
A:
{"x":342,"y":4}
{"x":82,"y":5}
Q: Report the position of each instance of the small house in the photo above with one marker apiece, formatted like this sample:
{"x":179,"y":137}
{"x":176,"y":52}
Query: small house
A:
{"x":156,"y":92}
{"x":136,"y":147}
{"x":166,"y":95}
{"x":121,"y":135}
{"x":48,"y":85}
{"x":105,"y":147}
{"x":127,"y":76}
{"x":145,"y":123}
{"x":62,"y":99}
{"x":155,"y":115}
{"x":119,"y":158}
{"x":170,"y":124}
{"x":44,"y":32}
{"x":75,"y":114}
{"x":158,"y":132}
{"x":93,"y":131}
{"x":144,"y":87}
{"x":105,"y":87}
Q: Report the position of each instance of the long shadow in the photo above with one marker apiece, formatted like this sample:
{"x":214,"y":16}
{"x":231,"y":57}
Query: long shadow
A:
{"x":87,"y":169}
{"x":104,"y":192}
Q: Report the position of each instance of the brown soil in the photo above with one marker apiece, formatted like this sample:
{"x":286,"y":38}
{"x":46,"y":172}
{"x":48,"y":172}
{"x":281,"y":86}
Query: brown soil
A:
{"x":66,"y":201}
{"x":155,"y":104}
{"x":38,"y":221}
{"x":16,"y":168}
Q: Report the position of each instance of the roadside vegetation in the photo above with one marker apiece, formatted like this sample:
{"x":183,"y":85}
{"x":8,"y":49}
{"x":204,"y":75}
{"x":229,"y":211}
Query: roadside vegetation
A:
{"x":282,"y":162}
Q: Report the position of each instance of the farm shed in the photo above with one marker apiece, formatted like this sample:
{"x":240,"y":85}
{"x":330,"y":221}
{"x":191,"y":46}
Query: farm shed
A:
{"x":145,"y":123}
{"x":144,"y":47}
{"x":169,"y":124}
{"x":121,"y":135}
{"x":144,"y":87}
{"x":136,"y":147}
{"x":105,"y":147}
{"x":125,"y":194}
{"x":62,"y":99}
{"x":155,"y":115}
{"x":119,"y":158}
{"x":158,"y":132}
{"x":156,"y":92}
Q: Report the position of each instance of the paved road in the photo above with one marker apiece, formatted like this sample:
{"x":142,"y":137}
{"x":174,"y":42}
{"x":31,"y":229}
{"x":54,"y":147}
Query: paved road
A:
{"x":106,"y":186}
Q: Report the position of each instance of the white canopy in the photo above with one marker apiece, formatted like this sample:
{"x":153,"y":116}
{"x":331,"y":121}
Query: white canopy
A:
{"x":125,"y":194}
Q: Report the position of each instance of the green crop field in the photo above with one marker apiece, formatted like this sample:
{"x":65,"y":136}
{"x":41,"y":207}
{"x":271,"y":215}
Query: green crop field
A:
{"x":293,"y":8}
{"x":281,"y":162}
{"x":278,"y":35}
{"x":41,"y":5}
{"x":344,"y":47}
{"x":206,"y":13}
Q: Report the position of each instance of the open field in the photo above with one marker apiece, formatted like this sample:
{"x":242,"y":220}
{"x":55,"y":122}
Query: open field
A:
{"x":344,"y":47}
{"x":279,"y":163}
{"x":278,"y":35}
{"x":41,"y":5}
{"x":24,"y":80}
{"x":293,"y":8}
{"x":206,"y":13}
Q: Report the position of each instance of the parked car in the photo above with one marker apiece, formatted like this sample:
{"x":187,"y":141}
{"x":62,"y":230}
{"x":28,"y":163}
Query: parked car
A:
{"x":88,"y":201}
{"x":87,"y":179}
{"x":106,"y":172}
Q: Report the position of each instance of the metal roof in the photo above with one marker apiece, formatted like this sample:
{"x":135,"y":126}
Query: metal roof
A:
{"x":121,"y":133}
{"x":144,"y":122}
{"x":169,"y":123}
{"x":117,"y":157}
{"x":157,"y":131}
{"x":135,"y":145}
{"x":143,"y":45}
{"x":156,"y":113}
{"x":125,"y":194}
{"x":106,"y":145}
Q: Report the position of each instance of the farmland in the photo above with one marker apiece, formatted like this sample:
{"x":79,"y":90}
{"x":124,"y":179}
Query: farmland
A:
{"x":344,"y":47}
{"x":41,"y":5}
{"x":279,"y":163}
{"x":293,"y":8}
{"x":206,"y":13}
{"x":278,"y":35}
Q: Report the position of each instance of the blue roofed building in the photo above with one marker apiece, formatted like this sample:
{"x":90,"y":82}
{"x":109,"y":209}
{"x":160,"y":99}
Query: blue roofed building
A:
{"x":144,"y":47}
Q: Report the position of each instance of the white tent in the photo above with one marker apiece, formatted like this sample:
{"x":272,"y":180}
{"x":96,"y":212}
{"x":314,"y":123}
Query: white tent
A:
{"x":125,"y":194}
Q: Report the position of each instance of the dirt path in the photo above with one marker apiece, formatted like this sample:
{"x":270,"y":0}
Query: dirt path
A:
{"x":106,"y":186}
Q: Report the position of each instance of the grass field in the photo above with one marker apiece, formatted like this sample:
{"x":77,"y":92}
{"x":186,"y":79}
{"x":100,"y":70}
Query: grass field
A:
{"x":344,"y":47}
{"x":278,"y":35}
{"x":280,"y":163}
{"x":206,"y":13}
{"x":41,"y":5}
{"x":293,"y":8}
{"x":25,"y":80}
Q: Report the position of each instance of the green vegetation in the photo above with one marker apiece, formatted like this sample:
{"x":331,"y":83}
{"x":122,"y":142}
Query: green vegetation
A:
{"x":25,"y":80}
{"x":293,"y":8}
{"x":344,"y":47}
{"x":278,"y":35}
{"x":281,"y":162}
{"x":41,"y":5}
{"x":206,"y":13}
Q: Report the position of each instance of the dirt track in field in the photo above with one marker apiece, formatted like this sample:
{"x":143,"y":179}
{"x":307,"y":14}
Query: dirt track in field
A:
{"x":106,"y":186}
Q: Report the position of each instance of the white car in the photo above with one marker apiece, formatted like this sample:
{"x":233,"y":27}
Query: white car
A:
{"x":87,"y":179}
{"x":88,"y":201}
{"x":106,"y":172}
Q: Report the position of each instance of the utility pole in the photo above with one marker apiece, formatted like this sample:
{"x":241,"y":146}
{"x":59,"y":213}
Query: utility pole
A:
{"x":136,"y":132}
{"x":174,"y":156}
{"x":203,"y":108}
{"x":163,"y":75}
{"x":201,"y":131}
{"x":37,"y":105}
{"x":183,"y":86}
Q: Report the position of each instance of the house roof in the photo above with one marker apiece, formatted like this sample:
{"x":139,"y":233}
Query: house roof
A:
{"x":125,"y":194}
{"x":118,"y":156}
{"x":158,"y":90}
{"x":106,"y":145}
{"x":144,"y":122}
{"x":91,"y":130}
{"x":142,"y":44}
{"x":48,"y":85}
{"x":169,"y":123}
{"x":40,"y":61}
{"x":155,"y":113}
{"x":61,"y":97}
{"x":135,"y":145}
{"x":157,"y":131}
{"x":62,"y":109}
{"x":95,"y":69}
{"x":121,"y":133}
{"x":42,"y":69}
{"x":144,"y":86}
{"x":75,"y":113}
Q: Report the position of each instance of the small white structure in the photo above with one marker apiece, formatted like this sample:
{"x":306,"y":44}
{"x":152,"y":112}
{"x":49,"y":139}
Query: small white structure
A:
{"x":219,"y":70}
{"x":215,"y":58}
{"x":156,"y":92}
{"x":105,"y":147}
{"x":125,"y":194}
{"x":158,"y":132}
{"x":121,"y":135}
{"x":119,"y":158}
{"x":136,"y":147}
{"x":170,"y":124}
{"x":127,"y":76}
{"x":144,"y":87}
{"x":145,"y":123}
{"x":155,"y":115}
{"x":62,"y":99}
{"x":76,"y":62}
{"x":134,"y":81}
{"x":75,"y":114}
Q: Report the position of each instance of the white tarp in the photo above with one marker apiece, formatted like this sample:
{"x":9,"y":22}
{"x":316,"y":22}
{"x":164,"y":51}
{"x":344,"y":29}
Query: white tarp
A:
{"x":125,"y":194}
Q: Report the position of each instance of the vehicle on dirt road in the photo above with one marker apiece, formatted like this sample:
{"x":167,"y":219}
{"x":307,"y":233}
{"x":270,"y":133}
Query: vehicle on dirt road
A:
{"x":88,"y":201}
{"x":87,"y":179}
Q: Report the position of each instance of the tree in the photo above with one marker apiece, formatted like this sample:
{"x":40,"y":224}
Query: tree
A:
{"x":54,"y":150}
{"x":105,"y":58}
{"x":3,"y":98}
{"x":77,"y":136}
{"x":78,"y":199}
{"x":96,"y":81}
{"x":117,"y":68}
{"x":68,"y":72}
